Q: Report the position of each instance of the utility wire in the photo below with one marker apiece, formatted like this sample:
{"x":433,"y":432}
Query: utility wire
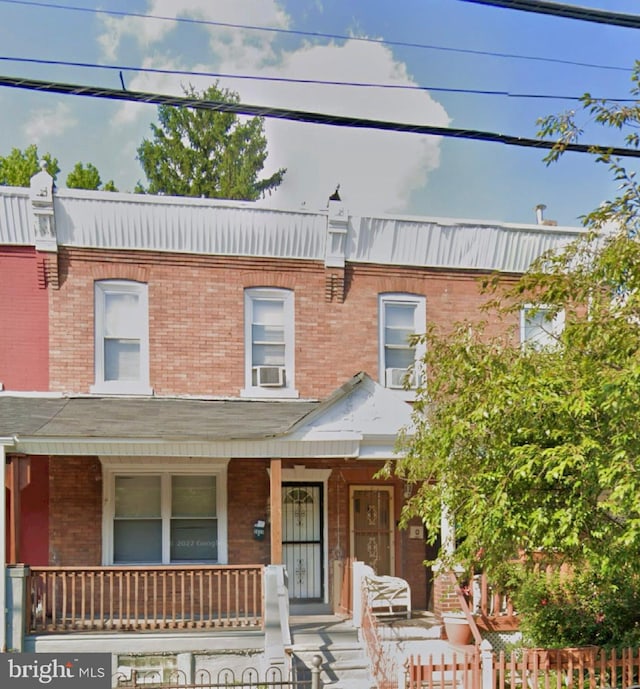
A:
{"x":587,"y":14}
{"x":290,"y":80}
{"x":302,"y":116}
{"x":313,"y":34}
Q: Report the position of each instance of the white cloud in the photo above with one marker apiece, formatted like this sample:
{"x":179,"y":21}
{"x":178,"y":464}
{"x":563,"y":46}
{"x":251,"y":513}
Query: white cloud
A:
{"x":48,"y":122}
{"x":148,"y":32}
{"x":378,"y":171}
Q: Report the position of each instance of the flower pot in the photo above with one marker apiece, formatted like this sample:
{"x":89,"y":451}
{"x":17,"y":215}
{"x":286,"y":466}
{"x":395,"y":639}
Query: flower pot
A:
{"x":457,"y":629}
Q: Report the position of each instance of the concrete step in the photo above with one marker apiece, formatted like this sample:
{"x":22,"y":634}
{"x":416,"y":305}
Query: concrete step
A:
{"x":344,"y":662}
{"x":344,"y":670}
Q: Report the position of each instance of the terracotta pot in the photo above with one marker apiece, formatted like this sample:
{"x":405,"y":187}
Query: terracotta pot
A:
{"x":457,"y":629}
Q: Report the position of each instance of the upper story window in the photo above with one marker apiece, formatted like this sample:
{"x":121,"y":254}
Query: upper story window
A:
{"x":539,"y":328}
{"x":401,"y":316}
{"x":121,"y":337}
{"x":269,"y":343}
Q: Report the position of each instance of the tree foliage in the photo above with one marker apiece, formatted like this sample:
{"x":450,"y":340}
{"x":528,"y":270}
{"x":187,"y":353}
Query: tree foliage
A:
{"x":87,"y":177}
{"x":206,"y":153}
{"x":536,"y":451}
{"x":17,"y":168}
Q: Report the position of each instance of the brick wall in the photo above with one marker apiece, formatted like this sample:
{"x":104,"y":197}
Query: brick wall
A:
{"x":75,"y":511}
{"x":196,"y":314}
{"x":247,"y":501}
{"x":24,"y":335}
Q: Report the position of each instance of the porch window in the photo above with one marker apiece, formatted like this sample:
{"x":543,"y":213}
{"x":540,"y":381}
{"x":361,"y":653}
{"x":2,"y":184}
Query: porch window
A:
{"x":269,"y":343}
{"x":165,"y":518}
{"x":401,"y":316}
{"x":121,"y":337}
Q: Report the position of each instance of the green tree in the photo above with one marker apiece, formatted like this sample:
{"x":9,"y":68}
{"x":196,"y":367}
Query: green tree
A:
{"x":537,"y":450}
{"x":87,"y":177}
{"x":17,"y":168}
{"x":206,"y":153}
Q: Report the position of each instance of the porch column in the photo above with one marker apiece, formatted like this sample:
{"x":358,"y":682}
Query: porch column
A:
{"x":275,"y":492}
{"x":3,"y":555}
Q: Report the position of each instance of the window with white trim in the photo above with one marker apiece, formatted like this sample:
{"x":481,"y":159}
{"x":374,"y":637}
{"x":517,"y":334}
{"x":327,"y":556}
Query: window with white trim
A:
{"x":165,"y":517}
{"x":400,"y":317}
{"x":540,"y":326}
{"x":121,"y":315}
{"x":269,"y":343}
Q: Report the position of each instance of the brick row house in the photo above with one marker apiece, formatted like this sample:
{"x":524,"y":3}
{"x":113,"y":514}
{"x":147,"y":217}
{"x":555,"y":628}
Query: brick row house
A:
{"x":194,"y":391}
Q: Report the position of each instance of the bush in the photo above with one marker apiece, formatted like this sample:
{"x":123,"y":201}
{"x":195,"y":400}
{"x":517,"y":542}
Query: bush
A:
{"x":580,"y":609}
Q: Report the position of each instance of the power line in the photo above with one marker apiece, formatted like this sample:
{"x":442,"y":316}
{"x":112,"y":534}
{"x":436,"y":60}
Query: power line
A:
{"x":587,"y":14}
{"x":291,"y":80}
{"x":302,"y":116}
{"x":315,"y":34}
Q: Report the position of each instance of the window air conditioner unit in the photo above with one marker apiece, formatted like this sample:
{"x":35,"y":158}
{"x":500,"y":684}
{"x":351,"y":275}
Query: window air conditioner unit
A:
{"x":395,"y":378}
{"x":268,"y":376}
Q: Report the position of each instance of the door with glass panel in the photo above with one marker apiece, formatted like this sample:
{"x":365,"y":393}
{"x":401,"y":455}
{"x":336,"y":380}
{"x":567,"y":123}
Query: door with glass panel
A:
{"x":302,"y":540}
{"x":372,"y":527}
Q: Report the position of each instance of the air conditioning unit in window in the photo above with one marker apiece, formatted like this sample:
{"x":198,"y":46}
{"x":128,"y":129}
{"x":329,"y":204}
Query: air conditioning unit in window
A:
{"x":395,"y":378}
{"x":268,"y":376}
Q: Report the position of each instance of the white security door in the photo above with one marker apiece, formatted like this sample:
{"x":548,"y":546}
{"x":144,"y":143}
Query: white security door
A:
{"x":302,"y":545}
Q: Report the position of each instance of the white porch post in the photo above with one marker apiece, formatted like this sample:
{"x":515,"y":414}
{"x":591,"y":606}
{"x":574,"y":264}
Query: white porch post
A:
{"x":447,"y":531}
{"x":3,"y":547}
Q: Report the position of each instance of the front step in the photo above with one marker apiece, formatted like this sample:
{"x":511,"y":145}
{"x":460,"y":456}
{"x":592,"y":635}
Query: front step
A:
{"x":344,"y":662}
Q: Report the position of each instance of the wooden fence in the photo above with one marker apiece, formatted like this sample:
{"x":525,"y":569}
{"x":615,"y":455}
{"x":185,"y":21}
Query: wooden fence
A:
{"x":143,"y":598}
{"x":569,"y":668}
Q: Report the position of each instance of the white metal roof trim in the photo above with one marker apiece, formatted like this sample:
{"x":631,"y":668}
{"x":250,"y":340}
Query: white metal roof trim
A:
{"x":465,"y":246}
{"x":16,"y":220}
{"x":190,"y":229}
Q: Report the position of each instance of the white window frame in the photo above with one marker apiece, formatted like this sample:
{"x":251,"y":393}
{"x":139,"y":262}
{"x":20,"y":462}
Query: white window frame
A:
{"x":165,"y":468}
{"x":555,"y":326}
{"x":251,"y":295}
{"x":130,"y":387}
{"x":419,"y":326}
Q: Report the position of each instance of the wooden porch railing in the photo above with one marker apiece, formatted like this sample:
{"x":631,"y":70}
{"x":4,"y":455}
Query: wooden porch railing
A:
{"x":144,"y":598}
{"x":382,"y":662}
{"x":494,"y":608}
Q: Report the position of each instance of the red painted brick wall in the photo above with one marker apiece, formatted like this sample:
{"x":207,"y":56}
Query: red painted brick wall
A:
{"x":196,"y":314}
{"x":24,"y":336}
{"x":34,"y":508}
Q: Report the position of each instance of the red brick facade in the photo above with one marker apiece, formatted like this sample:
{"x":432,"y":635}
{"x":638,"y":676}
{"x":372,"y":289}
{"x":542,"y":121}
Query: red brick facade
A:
{"x":196,"y":317}
{"x":24,"y":336}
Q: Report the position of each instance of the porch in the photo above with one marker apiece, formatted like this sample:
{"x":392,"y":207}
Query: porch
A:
{"x":138,"y":599}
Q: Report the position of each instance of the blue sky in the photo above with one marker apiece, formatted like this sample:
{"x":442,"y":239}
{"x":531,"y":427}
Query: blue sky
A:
{"x":378,"y":171}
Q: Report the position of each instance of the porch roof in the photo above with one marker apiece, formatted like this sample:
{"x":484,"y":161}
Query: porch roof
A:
{"x":148,"y":417}
{"x":360,"y":419}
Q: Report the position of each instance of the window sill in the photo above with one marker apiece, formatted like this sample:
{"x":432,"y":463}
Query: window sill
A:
{"x":121,"y":389}
{"x":269,"y":393}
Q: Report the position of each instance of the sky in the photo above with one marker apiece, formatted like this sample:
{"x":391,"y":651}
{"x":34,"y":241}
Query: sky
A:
{"x":420,"y":54}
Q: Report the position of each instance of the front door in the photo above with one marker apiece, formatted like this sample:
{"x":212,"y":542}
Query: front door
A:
{"x":371,"y":525}
{"x":302,"y":545}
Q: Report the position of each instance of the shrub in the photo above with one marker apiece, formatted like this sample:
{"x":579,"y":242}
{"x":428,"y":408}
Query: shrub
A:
{"x":580,"y":609}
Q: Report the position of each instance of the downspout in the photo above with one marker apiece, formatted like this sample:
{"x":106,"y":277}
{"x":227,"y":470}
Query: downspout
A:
{"x":3,"y":545}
